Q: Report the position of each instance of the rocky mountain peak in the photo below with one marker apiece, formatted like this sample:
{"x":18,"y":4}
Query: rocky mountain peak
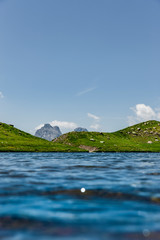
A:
{"x":47,"y":125}
{"x":48,"y":132}
{"x":80,"y":129}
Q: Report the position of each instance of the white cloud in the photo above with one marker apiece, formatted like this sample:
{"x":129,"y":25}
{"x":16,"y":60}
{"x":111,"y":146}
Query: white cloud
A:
{"x":63,"y":124}
{"x":143,"y":112}
{"x":95,"y":120}
{"x":158,"y":116}
{"x":1,"y":95}
{"x":93,"y":116}
{"x":95,"y":126}
{"x":39,"y":126}
{"x":86,"y":91}
{"x":66,"y":126}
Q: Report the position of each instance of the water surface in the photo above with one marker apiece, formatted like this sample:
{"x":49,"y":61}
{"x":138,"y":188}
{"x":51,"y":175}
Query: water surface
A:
{"x":41,"y":198}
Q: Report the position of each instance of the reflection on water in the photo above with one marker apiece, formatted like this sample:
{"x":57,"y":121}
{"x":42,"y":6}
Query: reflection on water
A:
{"x":79,"y":196}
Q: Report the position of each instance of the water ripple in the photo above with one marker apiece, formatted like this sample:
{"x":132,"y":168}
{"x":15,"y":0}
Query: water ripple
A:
{"x":41,"y":197}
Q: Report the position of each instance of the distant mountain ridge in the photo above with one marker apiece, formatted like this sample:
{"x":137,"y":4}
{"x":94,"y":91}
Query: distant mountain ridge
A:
{"x":80,"y":129}
{"x":48,"y":132}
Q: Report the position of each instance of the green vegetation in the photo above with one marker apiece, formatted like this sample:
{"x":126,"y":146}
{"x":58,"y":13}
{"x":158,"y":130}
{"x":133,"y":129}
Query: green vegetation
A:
{"x":15,"y":140}
{"x":143,"y":137}
{"x":140,"y":137}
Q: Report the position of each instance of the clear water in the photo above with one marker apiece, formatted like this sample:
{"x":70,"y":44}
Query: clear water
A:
{"x":41,"y":198}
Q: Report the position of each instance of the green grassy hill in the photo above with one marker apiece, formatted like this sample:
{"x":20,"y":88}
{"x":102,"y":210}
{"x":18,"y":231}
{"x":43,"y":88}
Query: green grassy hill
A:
{"x":140,"y":137}
{"x":15,"y":140}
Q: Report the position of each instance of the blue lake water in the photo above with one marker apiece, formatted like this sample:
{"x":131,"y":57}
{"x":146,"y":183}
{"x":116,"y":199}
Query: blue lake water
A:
{"x":41,"y":197}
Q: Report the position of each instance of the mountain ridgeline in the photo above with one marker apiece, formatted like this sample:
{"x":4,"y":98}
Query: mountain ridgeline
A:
{"x":80,"y":129}
{"x":142,"y":137}
{"x":48,"y":132}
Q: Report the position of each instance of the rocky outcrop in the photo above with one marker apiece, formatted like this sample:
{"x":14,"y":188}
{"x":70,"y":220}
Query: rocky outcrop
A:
{"x":48,"y":132}
{"x":88,"y":148}
{"x":80,"y":129}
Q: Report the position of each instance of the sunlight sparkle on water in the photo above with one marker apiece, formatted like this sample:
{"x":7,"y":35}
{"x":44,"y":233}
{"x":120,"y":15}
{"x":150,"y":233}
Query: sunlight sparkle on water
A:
{"x":83,"y":190}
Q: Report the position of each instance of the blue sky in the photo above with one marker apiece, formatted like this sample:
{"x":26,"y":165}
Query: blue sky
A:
{"x":89,"y":63}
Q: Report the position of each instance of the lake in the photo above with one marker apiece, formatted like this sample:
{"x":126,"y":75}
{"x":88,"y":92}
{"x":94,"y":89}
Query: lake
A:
{"x":82,"y":196}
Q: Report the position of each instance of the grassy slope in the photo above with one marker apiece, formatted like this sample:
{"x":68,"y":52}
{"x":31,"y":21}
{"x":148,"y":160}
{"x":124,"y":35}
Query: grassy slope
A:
{"x":133,"y":138}
{"x":12,"y":139}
